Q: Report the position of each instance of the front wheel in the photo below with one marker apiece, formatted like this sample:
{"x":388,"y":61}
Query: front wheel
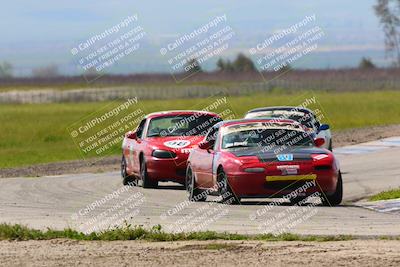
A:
{"x":144,"y":176}
{"x":126,"y":178}
{"x":225,"y":190}
{"x":336,"y":198}
{"x":194,"y":194}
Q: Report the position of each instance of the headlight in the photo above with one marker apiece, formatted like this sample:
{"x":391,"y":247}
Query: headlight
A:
{"x":254,"y":170}
{"x":163,"y":154}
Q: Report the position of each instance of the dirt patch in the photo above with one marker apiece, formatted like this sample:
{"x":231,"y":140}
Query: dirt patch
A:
{"x":342,"y":138}
{"x":361,"y":135}
{"x":62,"y":252}
{"x":111,"y":163}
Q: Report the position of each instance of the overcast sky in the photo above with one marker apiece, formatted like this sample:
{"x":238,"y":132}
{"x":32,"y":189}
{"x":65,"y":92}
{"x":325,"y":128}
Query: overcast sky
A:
{"x":36,"y":33}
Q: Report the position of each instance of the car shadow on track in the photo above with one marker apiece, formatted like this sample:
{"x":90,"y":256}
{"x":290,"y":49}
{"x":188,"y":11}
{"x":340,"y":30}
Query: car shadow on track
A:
{"x":287,"y":204}
{"x":171,"y":187}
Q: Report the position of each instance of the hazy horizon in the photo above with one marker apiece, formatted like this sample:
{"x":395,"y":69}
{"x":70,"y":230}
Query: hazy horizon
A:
{"x":41,"y":33}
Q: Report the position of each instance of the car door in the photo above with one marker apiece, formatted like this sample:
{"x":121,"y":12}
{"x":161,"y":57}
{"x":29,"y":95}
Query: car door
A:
{"x":135,"y":147}
{"x":205,"y":159}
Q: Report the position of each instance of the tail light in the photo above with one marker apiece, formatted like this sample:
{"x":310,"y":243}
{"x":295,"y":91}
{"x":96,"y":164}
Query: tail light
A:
{"x":322,"y":162}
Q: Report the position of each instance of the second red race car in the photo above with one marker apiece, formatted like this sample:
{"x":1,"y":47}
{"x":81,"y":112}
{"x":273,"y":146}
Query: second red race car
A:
{"x":263,"y":158}
{"x":158,"y":149}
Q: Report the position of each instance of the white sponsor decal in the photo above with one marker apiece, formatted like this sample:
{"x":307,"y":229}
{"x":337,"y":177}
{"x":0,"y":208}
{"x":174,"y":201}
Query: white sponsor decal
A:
{"x":288,"y":169}
{"x":321,"y":156}
{"x":177,"y":143}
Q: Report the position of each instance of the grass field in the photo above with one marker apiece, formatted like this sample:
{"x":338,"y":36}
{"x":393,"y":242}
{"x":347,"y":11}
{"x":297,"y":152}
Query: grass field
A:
{"x":37,"y":133}
{"x":385,"y":195}
{"x":18,"y":232}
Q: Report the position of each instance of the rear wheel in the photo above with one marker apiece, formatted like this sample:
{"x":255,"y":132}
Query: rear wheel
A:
{"x":194,"y":194}
{"x":225,"y":190}
{"x":330,"y":145}
{"x":144,"y":176}
{"x":126,"y":179}
{"x":336,"y":198}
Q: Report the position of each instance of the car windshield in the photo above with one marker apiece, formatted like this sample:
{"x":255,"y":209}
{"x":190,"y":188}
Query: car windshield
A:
{"x":181,"y":125}
{"x":305,"y":118}
{"x":265,"y":137}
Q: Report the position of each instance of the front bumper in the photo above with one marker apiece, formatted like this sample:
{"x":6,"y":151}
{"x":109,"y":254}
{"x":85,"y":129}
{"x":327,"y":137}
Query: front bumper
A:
{"x":170,"y":169}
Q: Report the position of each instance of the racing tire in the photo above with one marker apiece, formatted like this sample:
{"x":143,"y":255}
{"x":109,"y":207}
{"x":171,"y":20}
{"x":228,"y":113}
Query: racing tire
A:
{"x":336,"y":198}
{"x":126,"y":179}
{"x":194,"y":194}
{"x":225,"y":190}
{"x":144,"y":176}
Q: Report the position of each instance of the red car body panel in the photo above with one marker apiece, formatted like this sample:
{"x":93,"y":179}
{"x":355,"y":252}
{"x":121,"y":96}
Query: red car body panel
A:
{"x":161,"y":169}
{"x":316,"y":161}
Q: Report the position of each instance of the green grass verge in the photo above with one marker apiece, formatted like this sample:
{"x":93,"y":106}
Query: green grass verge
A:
{"x":385,"y":195}
{"x":128,"y":232}
{"x":37,"y":133}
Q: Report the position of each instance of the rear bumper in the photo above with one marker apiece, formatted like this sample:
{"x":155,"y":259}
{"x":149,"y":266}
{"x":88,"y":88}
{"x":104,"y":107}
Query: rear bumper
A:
{"x":252,"y":185}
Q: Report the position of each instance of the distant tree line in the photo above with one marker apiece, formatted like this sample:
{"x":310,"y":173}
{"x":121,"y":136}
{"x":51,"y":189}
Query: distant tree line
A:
{"x":388,"y":12}
{"x":6,"y":70}
{"x":242,"y":63}
{"x":366,"y":63}
{"x":49,"y":71}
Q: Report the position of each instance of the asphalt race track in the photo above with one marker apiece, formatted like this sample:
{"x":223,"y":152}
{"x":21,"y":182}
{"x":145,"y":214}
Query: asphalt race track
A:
{"x":62,"y":201}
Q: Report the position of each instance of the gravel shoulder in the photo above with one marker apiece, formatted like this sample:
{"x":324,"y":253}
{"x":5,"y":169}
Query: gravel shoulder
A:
{"x":62,"y":252}
{"x":111,"y":163}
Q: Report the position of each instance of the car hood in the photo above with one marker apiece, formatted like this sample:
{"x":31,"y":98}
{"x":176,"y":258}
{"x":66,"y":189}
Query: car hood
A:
{"x":276,"y":154}
{"x":175,"y":142}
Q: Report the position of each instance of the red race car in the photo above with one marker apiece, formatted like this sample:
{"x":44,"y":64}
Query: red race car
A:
{"x":263,"y":158}
{"x":159,"y":148}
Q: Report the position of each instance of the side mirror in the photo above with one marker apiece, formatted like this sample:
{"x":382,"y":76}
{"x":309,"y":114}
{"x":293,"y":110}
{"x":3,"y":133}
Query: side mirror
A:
{"x":131,"y":135}
{"x":324,"y":127}
{"x":319,"y":142}
{"x":204,"y":145}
